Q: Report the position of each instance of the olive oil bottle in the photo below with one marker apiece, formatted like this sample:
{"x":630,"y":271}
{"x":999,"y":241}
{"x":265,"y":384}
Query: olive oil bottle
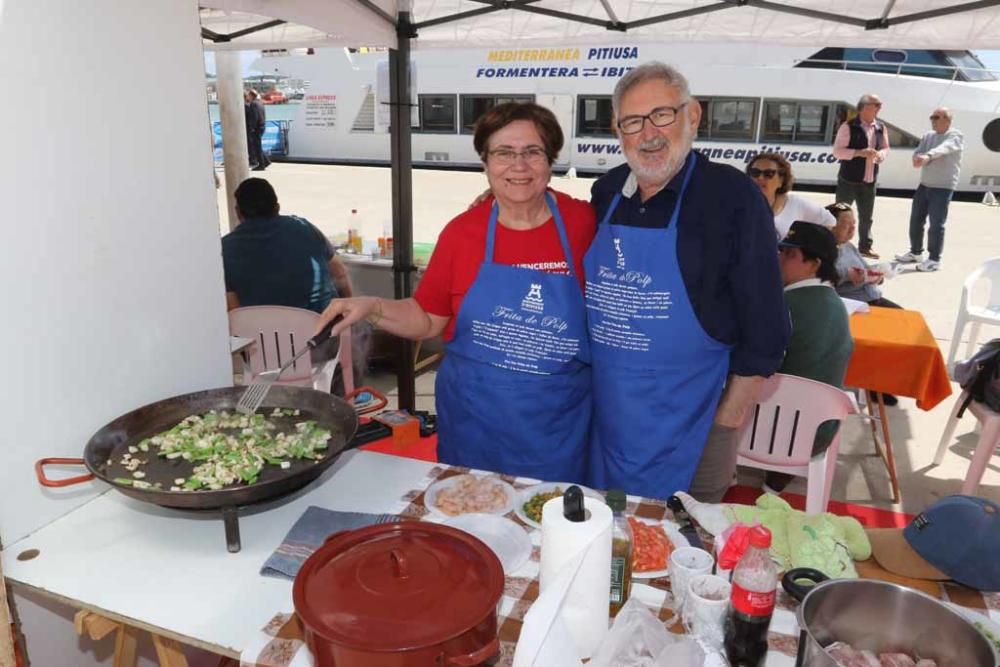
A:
{"x":621,"y":552}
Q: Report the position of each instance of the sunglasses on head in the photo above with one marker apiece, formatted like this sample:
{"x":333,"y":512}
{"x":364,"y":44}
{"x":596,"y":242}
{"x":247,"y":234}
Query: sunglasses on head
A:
{"x":766,"y":173}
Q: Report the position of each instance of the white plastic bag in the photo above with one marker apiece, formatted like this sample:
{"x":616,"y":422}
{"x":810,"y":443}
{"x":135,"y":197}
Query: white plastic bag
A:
{"x":639,"y":639}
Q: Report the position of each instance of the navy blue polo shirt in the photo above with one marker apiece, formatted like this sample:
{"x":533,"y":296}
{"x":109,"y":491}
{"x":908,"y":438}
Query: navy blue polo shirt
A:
{"x":278,"y":261}
{"x":727,"y":252}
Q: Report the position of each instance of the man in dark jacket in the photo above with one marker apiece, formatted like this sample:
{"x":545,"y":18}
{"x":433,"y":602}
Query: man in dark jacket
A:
{"x":861,"y":145}
{"x":256,"y":119}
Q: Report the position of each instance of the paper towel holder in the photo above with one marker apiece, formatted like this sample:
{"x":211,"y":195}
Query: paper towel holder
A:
{"x":573,"y":506}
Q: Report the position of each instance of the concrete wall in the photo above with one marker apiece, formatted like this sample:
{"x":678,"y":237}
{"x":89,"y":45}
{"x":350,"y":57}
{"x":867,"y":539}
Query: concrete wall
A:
{"x":111,"y":288}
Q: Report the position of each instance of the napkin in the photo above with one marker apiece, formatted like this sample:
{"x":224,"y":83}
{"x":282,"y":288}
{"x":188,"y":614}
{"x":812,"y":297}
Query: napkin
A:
{"x":570,"y":617}
{"x":308,"y":534}
{"x":855,"y":306}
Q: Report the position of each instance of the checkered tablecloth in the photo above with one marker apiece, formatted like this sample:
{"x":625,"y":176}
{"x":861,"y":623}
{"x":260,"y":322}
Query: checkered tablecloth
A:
{"x":279,"y":644}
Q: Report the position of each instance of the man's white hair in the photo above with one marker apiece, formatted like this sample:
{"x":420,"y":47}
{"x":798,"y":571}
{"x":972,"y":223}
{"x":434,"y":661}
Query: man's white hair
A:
{"x":651,"y":71}
{"x":867,"y":98}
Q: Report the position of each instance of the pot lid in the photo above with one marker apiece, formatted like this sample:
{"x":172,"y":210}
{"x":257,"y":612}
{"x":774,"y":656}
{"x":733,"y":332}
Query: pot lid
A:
{"x":398,"y":586}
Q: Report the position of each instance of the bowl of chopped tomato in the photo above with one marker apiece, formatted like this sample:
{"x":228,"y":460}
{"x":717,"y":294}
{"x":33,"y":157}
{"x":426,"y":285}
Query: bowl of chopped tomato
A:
{"x":652,"y":544}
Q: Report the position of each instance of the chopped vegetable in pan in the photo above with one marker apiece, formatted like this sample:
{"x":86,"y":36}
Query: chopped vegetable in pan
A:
{"x":226,"y":448}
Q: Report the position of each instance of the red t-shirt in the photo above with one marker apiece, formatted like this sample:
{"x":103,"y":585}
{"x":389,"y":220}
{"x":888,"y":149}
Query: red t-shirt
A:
{"x":462,"y":245}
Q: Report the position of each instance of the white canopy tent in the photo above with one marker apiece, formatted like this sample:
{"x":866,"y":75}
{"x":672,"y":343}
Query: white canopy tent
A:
{"x":251,"y":24}
{"x":400,"y":25}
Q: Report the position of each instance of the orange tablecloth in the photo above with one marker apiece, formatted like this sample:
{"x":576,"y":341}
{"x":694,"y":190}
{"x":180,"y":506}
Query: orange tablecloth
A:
{"x":895,"y":353}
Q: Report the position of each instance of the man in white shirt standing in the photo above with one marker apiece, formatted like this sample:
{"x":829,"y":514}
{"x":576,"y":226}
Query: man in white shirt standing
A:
{"x":861,"y":145}
{"x":939,"y":158}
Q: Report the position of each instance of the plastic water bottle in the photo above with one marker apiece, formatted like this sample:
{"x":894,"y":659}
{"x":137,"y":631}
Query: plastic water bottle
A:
{"x":751,"y":603}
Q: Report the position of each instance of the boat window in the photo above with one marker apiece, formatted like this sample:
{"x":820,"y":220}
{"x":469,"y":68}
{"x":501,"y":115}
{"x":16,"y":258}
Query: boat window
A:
{"x":897,"y":138}
{"x":799,"y":122}
{"x":474,"y":106}
{"x":437,"y":114}
{"x":991,"y":135}
{"x":594,"y":116}
{"x":889,"y":56}
{"x":911,"y":62}
{"x":970,"y":67}
{"x":726,"y":118}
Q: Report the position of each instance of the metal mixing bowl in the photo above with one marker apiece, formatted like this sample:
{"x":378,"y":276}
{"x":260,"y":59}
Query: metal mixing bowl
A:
{"x":882,"y":617}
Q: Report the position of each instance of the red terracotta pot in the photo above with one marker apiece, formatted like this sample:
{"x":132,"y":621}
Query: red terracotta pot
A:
{"x":400,"y":595}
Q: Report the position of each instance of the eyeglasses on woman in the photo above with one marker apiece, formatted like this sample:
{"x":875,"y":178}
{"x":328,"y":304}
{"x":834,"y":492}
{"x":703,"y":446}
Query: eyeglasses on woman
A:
{"x":532,"y":155}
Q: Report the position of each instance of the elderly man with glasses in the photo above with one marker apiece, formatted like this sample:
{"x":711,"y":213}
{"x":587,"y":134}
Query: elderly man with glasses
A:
{"x":684,"y":300}
{"x":861,"y":145}
{"x":938,"y":156}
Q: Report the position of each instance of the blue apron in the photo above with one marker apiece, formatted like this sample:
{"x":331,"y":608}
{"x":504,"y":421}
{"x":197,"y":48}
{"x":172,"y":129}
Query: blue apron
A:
{"x":658,"y":376}
{"x":513,"y":392}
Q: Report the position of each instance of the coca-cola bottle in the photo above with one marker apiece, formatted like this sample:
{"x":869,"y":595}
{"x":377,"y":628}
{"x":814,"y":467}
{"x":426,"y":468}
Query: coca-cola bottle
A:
{"x":751,"y":603}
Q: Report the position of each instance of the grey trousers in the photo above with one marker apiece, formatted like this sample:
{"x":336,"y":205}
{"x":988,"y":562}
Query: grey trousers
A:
{"x":716,"y":471}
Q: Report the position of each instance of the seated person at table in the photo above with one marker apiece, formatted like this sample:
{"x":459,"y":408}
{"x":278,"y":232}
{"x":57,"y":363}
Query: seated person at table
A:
{"x":505,"y":289}
{"x":284,"y":260}
{"x":821,"y":345}
{"x":278,"y":260}
{"x":853,"y":281}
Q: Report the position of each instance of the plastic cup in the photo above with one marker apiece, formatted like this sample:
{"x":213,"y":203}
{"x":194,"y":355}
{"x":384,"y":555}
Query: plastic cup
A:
{"x":705,"y":608}
{"x":685,"y":564}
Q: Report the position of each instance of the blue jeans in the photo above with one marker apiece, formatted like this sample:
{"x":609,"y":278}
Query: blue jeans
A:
{"x":933,"y":203}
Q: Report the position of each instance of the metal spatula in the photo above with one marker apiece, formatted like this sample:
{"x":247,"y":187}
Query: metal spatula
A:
{"x":257,"y":391}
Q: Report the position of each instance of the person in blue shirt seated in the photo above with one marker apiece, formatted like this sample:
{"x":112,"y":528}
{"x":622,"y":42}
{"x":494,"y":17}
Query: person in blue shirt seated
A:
{"x":284,"y":260}
{"x":278,"y":260}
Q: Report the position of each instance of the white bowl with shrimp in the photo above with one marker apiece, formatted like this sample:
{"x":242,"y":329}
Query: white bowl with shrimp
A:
{"x":470,"y":494}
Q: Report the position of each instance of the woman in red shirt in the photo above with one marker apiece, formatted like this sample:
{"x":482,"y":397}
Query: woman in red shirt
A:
{"x":505,"y":289}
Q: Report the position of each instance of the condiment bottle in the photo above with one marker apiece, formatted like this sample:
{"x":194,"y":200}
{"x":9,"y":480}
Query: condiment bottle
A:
{"x":751,"y":604}
{"x":621,"y":551}
{"x":354,"y":232}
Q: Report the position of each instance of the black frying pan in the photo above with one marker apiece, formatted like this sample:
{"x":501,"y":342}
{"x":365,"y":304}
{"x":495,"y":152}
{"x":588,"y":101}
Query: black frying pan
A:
{"x":105,"y":448}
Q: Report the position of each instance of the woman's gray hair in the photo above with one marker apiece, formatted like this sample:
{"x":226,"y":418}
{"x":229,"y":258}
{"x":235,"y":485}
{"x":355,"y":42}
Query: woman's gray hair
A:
{"x":650,"y":71}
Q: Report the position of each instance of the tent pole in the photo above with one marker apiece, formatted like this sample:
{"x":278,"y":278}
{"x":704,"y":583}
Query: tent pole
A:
{"x":235,"y":154}
{"x":402,"y":197}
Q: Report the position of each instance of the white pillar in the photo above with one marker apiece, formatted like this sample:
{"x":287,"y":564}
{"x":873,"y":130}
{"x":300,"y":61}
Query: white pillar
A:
{"x":234,"y":127}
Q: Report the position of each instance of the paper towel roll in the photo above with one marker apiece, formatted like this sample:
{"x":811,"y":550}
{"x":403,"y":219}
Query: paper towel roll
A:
{"x":585,"y":546}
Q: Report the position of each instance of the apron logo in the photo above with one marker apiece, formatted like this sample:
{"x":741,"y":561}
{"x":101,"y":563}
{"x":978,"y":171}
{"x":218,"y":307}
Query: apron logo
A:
{"x":532,"y":302}
{"x":620,"y":262}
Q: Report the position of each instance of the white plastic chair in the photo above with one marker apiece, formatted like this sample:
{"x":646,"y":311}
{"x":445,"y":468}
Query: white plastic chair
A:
{"x":977,"y":315}
{"x":778,"y":435}
{"x":989,"y":438}
{"x":280,"y":332}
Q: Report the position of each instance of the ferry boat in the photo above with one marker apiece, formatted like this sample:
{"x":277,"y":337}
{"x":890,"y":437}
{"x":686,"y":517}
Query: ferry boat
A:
{"x":755,"y":98}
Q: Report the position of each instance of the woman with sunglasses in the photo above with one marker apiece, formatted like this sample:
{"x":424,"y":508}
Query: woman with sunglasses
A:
{"x":504,"y":288}
{"x":773,"y":175}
